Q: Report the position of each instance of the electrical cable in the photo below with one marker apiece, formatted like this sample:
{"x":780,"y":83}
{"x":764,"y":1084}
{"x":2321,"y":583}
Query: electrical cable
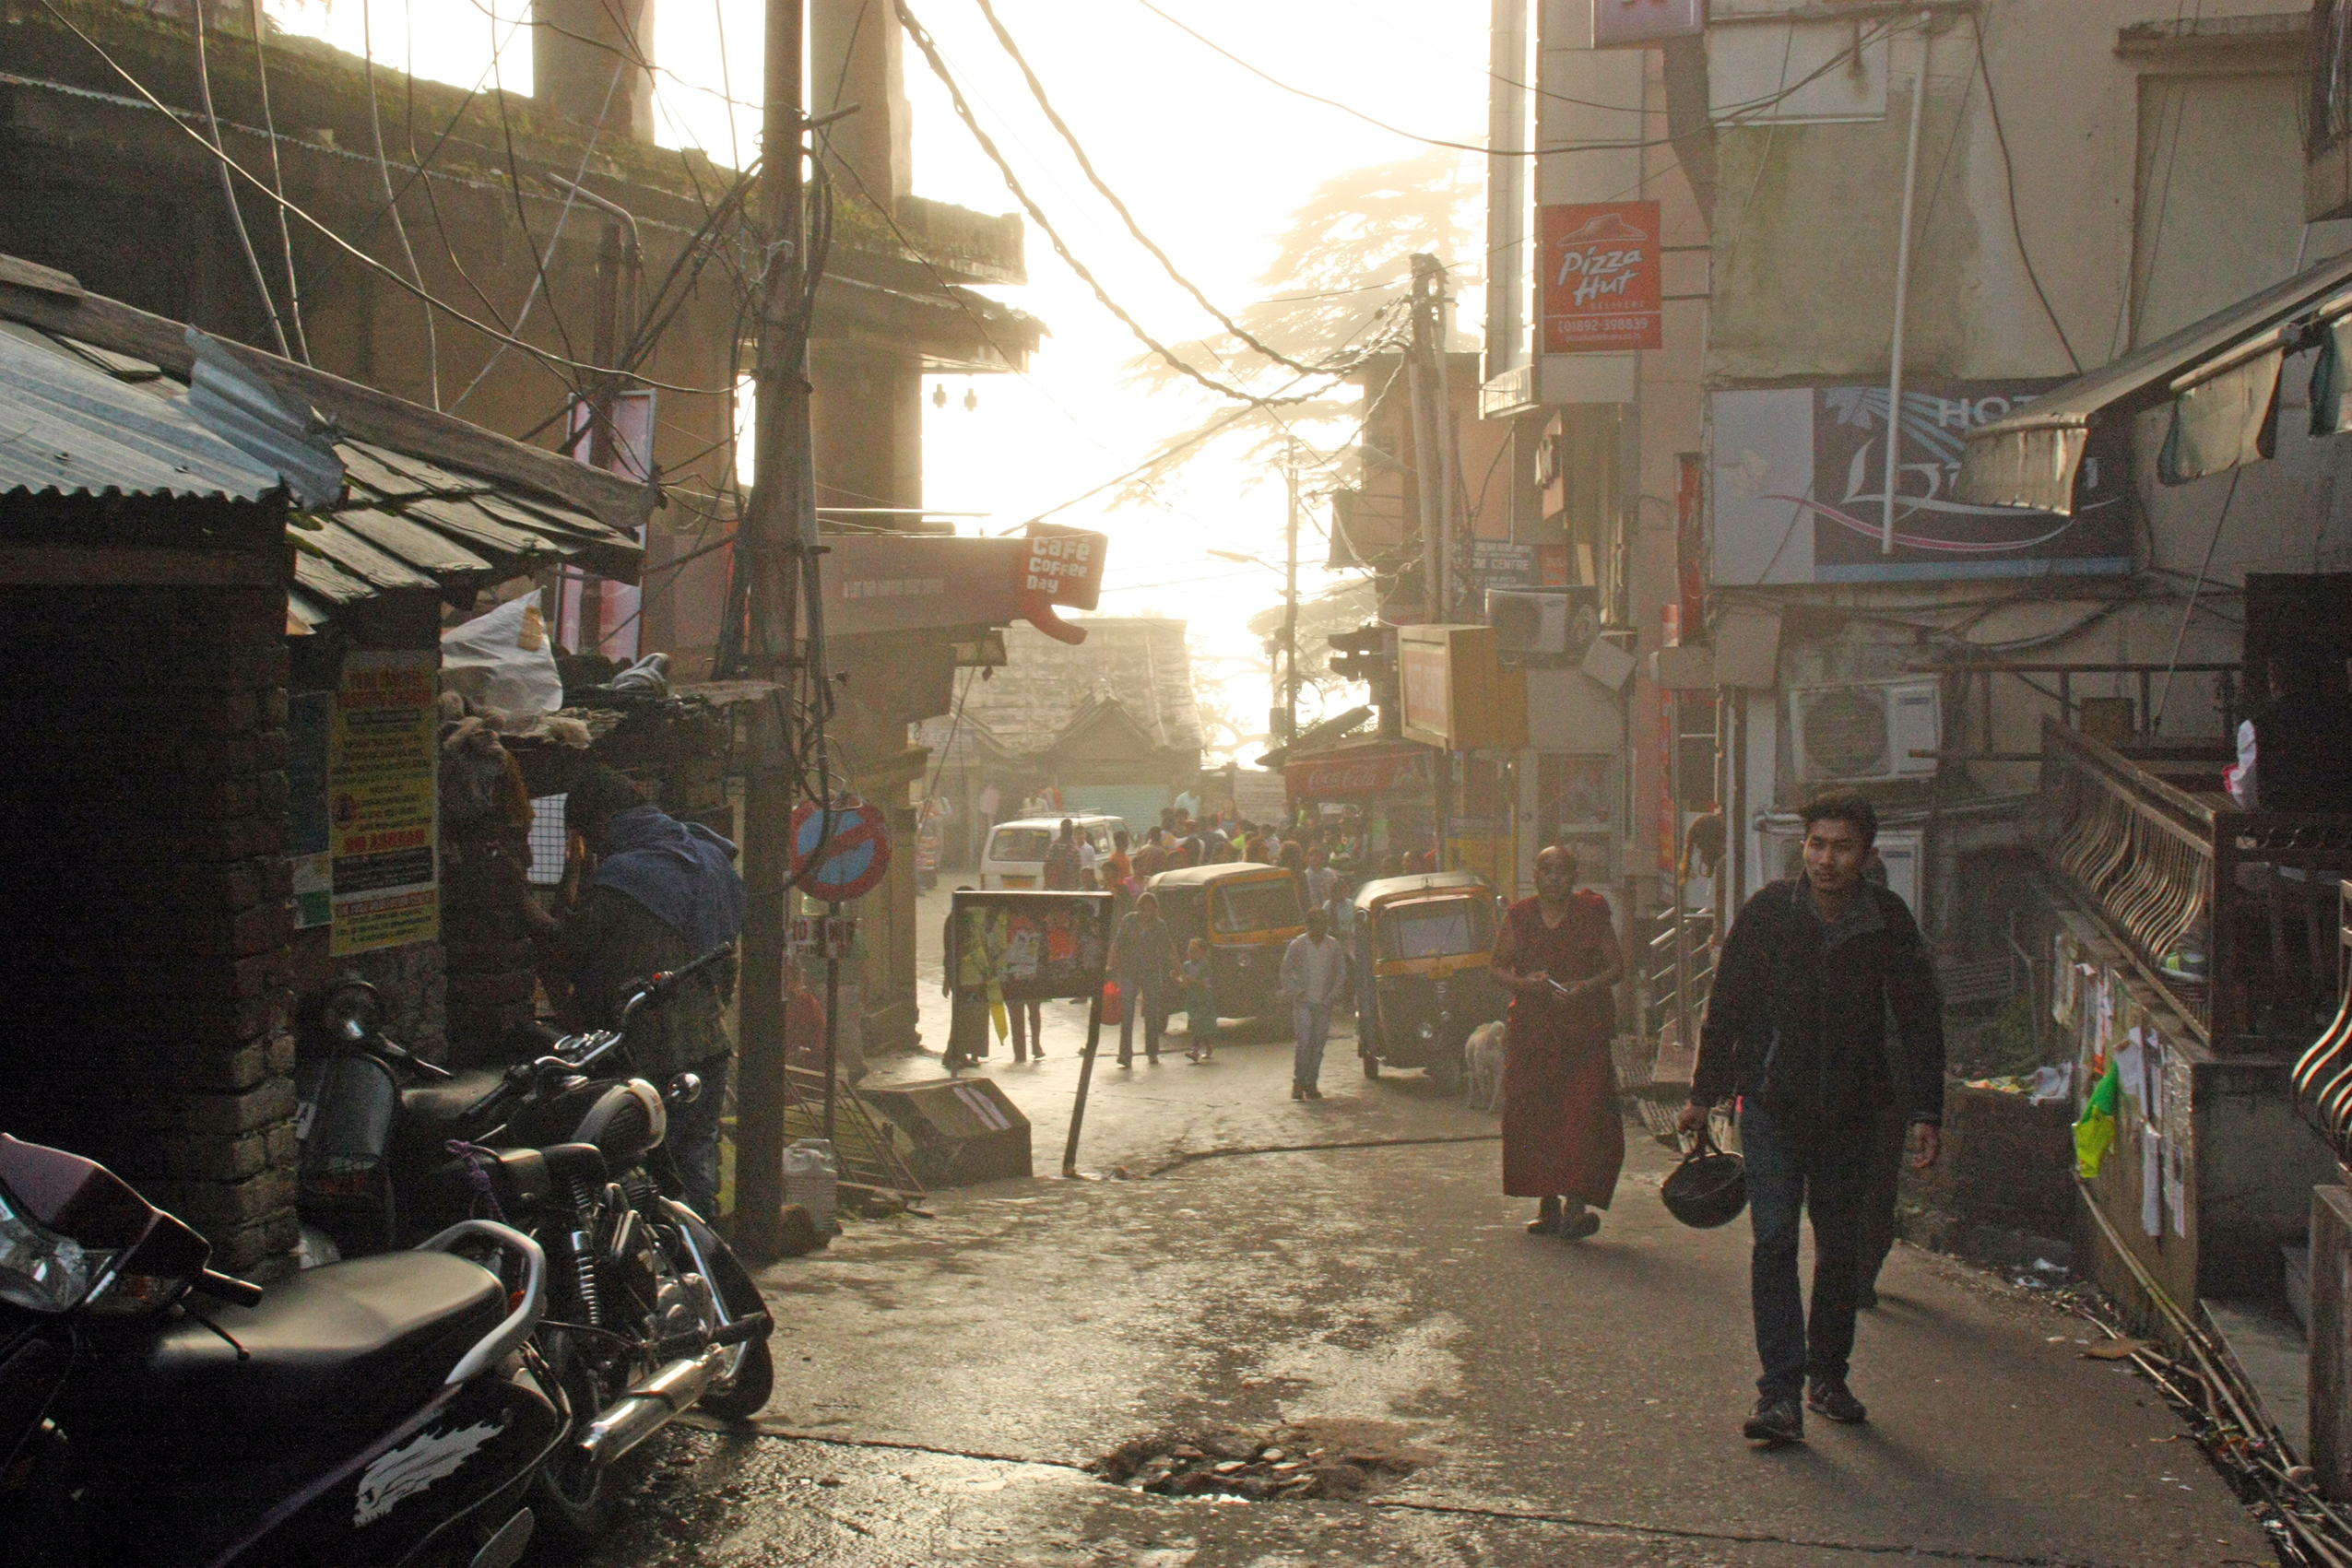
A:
{"x":278,"y":184}
{"x":1731,"y":114}
{"x":522,"y":219}
{"x":2009,"y":172}
{"x":392,"y":203}
{"x":227,"y":189}
{"x":2157,"y":719}
{"x":938,"y":66}
{"x":550,"y":359}
{"x":1086,"y":166}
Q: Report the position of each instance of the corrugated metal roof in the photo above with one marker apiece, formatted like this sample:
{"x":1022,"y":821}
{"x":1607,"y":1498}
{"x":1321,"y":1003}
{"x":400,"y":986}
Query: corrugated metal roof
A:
{"x":76,"y":419}
{"x":68,"y":428}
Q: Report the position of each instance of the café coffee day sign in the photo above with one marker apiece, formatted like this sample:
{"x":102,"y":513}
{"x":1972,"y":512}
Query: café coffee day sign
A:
{"x":1601,"y":279}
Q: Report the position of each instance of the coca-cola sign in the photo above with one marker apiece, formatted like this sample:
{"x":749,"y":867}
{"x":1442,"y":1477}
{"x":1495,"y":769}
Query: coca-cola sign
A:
{"x":1601,"y":277}
{"x":1347,"y":776}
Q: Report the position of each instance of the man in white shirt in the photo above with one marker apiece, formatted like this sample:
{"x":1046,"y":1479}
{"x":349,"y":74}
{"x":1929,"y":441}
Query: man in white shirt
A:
{"x":1186,"y":802}
{"x":1315,"y":974}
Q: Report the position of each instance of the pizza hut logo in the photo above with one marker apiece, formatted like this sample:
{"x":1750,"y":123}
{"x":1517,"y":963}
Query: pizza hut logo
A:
{"x":1600,"y":259}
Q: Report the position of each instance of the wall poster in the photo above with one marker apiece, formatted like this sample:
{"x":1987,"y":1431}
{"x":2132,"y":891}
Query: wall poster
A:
{"x":381,"y":831}
{"x":1800,"y":485}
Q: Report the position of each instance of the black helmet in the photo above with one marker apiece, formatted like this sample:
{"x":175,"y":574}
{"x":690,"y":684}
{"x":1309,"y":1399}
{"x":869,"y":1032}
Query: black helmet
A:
{"x":1708,"y":1188}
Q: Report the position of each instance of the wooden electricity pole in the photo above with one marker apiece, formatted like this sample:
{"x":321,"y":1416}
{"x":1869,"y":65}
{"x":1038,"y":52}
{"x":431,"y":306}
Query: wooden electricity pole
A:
{"x":772,"y":543}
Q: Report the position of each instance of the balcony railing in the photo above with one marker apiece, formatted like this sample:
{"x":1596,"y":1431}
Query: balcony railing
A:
{"x":2228,"y":913}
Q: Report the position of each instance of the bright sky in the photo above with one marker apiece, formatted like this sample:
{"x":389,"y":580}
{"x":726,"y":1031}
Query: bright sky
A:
{"x":1210,"y":159}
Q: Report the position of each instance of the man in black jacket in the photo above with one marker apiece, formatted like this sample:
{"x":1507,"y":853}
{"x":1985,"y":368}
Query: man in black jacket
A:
{"x":1796,"y":1028}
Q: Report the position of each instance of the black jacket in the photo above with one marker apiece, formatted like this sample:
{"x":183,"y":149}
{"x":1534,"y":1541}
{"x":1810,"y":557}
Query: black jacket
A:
{"x":1798,"y":1018}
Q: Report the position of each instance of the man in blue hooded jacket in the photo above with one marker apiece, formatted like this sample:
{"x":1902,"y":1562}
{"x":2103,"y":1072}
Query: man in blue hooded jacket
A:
{"x":663,"y":893}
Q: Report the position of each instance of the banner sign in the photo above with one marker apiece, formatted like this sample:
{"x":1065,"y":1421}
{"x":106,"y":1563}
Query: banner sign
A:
{"x":1602,"y":279}
{"x":382,"y":827}
{"x":1369,"y":772}
{"x":889,"y":582}
{"x":1800,"y":486}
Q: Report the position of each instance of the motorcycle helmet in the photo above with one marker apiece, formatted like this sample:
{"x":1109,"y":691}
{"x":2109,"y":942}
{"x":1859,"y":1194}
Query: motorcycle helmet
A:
{"x":1708,"y":1188}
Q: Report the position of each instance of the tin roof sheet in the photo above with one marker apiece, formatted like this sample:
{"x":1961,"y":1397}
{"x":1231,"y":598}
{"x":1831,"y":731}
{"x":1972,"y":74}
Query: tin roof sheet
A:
{"x":69,"y":427}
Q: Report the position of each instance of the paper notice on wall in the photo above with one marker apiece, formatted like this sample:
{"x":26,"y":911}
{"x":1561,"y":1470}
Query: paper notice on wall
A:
{"x":1023,"y":957}
{"x":2130,"y":1071}
{"x":2152,"y":1183}
{"x":2176,"y":1184}
{"x":380,"y":782}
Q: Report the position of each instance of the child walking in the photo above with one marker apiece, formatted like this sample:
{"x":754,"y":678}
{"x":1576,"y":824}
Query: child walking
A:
{"x":1200,"y":1002}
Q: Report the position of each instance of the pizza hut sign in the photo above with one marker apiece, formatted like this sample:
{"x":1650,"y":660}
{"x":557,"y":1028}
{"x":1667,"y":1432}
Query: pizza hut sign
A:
{"x":1601,"y":277}
{"x":1064,"y":572}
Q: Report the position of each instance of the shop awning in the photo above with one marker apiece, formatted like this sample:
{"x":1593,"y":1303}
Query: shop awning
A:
{"x":2220,"y":375}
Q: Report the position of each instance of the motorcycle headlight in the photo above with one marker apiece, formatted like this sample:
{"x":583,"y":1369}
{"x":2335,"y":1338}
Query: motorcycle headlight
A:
{"x":42,"y":1270}
{"x":1428,"y":1032}
{"x":352,"y":1012}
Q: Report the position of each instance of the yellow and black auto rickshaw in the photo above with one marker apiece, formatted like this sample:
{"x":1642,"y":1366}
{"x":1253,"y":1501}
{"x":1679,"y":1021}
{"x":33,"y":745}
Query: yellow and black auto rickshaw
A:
{"x":1249,"y":914}
{"x":1423,"y":946}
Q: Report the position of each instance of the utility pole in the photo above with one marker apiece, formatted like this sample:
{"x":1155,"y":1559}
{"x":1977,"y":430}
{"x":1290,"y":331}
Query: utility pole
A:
{"x":773,"y":542}
{"x":1422,"y":370}
{"x":1289,"y":602}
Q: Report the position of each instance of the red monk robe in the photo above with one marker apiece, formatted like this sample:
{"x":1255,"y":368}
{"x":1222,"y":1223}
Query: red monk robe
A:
{"x":1563,"y":1133}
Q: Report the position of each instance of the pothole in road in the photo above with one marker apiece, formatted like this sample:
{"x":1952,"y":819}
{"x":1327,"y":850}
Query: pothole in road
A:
{"x":1338,"y":1459}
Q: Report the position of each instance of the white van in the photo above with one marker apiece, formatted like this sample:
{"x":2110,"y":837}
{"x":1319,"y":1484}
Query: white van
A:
{"x":1015,"y":856}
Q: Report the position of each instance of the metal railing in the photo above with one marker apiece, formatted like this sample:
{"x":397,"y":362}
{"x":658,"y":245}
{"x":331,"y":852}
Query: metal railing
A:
{"x":2055,"y":683}
{"x":2205,"y":898}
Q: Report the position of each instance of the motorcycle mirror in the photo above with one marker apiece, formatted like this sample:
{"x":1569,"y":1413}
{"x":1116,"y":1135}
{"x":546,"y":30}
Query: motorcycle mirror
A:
{"x":685,"y":1088}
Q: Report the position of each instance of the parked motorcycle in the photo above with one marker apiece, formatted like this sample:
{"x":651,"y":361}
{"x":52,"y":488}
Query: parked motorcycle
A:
{"x":650,"y":1313}
{"x":388,"y":1410}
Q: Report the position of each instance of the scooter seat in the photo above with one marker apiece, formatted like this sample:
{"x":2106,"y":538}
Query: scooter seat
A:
{"x":448,"y":1099}
{"x":346,"y":1349}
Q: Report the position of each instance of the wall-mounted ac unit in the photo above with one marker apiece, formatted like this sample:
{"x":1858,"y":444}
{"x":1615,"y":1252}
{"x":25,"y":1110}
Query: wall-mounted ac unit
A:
{"x":1865,"y":732}
{"x":1542,"y":625}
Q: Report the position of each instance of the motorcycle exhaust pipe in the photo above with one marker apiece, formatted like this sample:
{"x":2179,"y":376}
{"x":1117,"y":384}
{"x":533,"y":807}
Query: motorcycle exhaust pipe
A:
{"x":649,"y":1406}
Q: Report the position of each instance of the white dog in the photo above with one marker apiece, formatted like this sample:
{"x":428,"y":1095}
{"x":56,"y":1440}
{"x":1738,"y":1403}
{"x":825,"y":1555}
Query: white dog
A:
{"x":1486,"y":1055}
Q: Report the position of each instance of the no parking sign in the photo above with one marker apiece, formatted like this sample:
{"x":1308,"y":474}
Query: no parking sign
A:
{"x":856,"y":855}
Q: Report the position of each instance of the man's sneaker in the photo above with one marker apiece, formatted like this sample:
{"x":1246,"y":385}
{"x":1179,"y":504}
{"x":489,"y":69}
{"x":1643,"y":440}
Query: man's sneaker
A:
{"x":1580,"y":1226}
{"x":1834,"y":1399}
{"x":1778,"y":1419}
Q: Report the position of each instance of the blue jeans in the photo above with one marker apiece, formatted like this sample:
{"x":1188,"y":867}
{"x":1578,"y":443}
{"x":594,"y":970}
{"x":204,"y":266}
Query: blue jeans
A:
{"x":693,"y":1137}
{"x":1788,"y":1175}
{"x":1311,"y":1021}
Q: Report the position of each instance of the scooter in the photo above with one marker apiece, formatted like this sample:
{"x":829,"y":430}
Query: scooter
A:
{"x":652,"y":1314}
{"x":389,"y":1410}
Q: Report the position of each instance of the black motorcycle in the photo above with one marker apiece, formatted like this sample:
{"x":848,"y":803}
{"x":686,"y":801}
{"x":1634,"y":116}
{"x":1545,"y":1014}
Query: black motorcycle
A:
{"x":650,"y":1314}
{"x":388,"y":1410}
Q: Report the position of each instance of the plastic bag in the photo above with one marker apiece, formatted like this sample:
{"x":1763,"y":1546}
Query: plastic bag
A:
{"x":2095,"y":1134}
{"x":501,"y":663}
{"x":1114,"y":1004}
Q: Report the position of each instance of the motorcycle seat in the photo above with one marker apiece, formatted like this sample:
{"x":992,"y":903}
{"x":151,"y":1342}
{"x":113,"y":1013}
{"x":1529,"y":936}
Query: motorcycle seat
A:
{"x":349,"y":1349}
{"x":448,"y":1099}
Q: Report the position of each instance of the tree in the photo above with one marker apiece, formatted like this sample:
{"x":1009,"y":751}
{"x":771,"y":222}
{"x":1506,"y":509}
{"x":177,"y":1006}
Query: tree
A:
{"x":1335,"y":287}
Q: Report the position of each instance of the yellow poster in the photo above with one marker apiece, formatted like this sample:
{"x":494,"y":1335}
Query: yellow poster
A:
{"x":380,"y":789}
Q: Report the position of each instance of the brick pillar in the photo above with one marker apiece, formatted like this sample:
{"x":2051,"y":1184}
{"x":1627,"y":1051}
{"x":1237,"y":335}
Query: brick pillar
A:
{"x":146,"y":910}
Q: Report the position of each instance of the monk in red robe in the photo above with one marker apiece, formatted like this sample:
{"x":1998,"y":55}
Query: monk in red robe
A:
{"x":1564,"y":1139}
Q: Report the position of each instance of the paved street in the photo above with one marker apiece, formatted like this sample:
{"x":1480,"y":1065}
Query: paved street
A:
{"x":940,"y":1378}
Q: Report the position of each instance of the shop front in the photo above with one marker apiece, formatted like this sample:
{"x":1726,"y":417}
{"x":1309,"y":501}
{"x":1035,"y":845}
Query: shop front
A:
{"x":1392,"y":782}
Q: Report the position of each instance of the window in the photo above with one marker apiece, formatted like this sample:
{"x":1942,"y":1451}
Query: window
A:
{"x":1020,"y":843}
{"x":1437,"y":929}
{"x":1258,"y":906}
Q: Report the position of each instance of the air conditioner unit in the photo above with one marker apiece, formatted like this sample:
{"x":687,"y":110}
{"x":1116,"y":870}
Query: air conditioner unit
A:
{"x":1542,"y":625}
{"x":1865,"y":732}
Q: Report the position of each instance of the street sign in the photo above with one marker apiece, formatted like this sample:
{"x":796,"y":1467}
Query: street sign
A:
{"x":856,"y":857}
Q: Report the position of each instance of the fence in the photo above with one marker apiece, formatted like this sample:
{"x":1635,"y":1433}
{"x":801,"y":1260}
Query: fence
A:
{"x":2228,"y":913}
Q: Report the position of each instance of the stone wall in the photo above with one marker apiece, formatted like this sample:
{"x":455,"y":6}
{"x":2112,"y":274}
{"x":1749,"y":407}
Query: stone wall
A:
{"x":147,"y":914}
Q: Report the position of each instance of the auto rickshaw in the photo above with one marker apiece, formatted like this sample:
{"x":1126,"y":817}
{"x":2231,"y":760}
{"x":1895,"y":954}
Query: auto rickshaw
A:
{"x":1423,"y":946}
{"x":1249,"y":914}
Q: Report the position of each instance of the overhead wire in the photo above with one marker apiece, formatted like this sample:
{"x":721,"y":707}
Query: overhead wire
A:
{"x":334,"y":238}
{"x":515,"y":189}
{"x":228,"y":190}
{"x":278,"y":184}
{"x":930,"y":50}
{"x":2009,"y":172}
{"x":392,"y":203}
{"x":1086,"y":166}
